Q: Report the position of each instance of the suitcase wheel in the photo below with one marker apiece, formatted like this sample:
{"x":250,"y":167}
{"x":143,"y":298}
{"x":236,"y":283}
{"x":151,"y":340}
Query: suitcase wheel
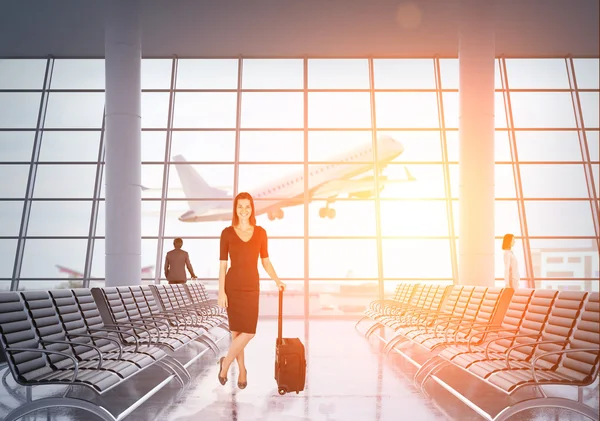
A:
{"x":282,"y":391}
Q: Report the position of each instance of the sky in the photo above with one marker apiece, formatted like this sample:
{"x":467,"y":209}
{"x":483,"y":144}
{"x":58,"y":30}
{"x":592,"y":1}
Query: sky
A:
{"x":418,"y":213}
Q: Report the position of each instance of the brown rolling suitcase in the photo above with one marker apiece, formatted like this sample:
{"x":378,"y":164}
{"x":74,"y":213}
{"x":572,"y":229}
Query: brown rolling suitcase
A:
{"x":290,"y":359}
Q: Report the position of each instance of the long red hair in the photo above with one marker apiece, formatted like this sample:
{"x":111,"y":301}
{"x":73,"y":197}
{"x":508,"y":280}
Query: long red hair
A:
{"x":235,"y":220}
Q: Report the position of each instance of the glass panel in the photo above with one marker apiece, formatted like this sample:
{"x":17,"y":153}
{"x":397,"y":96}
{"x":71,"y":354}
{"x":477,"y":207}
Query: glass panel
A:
{"x":205,"y":110}
{"x":537,"y":73}
{"x":418,"y":146}
{"x":560,"y":218}
{"x":414,"y":259}
{"x":272,"y":110}
{"x":149,"y":248}
{"x":587,"y":73}
{"x":155,"y":109}
{"x":336,"y":146}
{"x":70,"y":146}
{"x":451,"y":108}
{"x":506,"y":217}
{"x":564,"y":259}
{"x":41,"y":257}
{"x":174,"y":227}
{"x":40,"y":285}
{"x":590,"y":108}
{"x":78,"y":74}
{"x":342,"y":298}
{"x":68,"y":218}
{"x":150,"y":218}
{"x":199,"y":181}
{"x":273,"y":74}
{"x":16,"y":146}
{"x":18,"y":175}
{"x":19,"y":110}
{"x":271,"y":146}
{"x":338,"y":74}
{"x":8,"y":249}
{"x":403,"y":74}
{"x":428,"y":182}
{"x":152,"y":180}
{"x":449,"y":70}
{"x":348,"y":213}
{"x":595,"y":171}
{"x":287,"y":257}
{"x":542,"y":110}
{"x":207,"y":74}
{"x":76,"y":110}
{"x":22,"y":73}
{"x":10,"y":217}
{"x":592,"y":141}
{"x":339,"y":110}
{"x":153,"y":146}
{"x":342,"y":259}
{"x":276,"y":181}
{"x":412,"y":218}
{"x":65,"y":181}
{"x":4,"y":285}
{"x":406,"y":109}
{"x":203,"y":146}
{"x":156,"y":73}
{"x":561,"y":180}
{"x":548,"y":146}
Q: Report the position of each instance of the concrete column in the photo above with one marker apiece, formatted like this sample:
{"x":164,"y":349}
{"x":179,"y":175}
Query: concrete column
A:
{"x":122,"y":173}
{"x":476,"y":53}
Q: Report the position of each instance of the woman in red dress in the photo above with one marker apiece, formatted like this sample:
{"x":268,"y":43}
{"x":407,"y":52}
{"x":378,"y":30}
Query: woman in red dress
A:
{"x":239,"y":287}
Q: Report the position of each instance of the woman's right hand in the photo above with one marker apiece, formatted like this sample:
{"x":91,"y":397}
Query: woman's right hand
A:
{"x":222,"y":301}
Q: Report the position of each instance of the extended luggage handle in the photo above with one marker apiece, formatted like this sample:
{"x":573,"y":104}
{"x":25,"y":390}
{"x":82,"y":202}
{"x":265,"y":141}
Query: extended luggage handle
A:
{"x":280,"y":316}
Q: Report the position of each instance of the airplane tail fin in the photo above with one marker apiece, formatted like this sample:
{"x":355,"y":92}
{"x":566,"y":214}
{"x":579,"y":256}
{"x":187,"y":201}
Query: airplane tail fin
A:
{"x":194,"y":186}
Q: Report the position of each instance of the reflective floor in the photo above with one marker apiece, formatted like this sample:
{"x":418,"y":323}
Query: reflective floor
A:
{"x":346,"y":380}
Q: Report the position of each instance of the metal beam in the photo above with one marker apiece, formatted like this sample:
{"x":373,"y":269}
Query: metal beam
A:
{"x":33,"y":166}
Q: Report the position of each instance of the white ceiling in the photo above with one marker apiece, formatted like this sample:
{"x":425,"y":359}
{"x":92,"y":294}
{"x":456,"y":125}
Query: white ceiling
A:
{"x":268,"y":28}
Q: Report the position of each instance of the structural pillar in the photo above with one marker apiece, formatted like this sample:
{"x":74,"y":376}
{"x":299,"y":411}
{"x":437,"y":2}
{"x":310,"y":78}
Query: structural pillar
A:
{"x":123,"y":132}
{"x":476,"y":55}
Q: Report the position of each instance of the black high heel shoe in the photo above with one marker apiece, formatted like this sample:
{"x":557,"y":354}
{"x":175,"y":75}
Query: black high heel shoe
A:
{"x":242,"y":385}
{"x":222,"y":380}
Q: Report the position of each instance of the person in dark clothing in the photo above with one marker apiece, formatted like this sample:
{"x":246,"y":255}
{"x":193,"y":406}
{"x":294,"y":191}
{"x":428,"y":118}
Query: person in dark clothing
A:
{"x":175,"y":263}
{"x":239,"y":287}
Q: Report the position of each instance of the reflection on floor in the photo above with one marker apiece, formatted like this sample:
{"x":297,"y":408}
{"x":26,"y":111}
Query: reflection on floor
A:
{"x":347,"y":380}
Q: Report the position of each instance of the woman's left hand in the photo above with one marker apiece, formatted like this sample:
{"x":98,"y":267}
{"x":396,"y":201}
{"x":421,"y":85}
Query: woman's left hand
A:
{"x":281,"y":286}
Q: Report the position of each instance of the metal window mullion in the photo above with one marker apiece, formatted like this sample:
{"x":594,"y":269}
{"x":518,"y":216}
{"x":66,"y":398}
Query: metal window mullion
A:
{"x":238,"y":124}
{"x":306,"y":197}
{"x":166,"y":172}
{"x":378,"y":232}
{"x":33,"y":165}
{"x":530,"y":276}
{"x":446,"y":168}
{"x":583,"y":146}
{"x":89,"y":254}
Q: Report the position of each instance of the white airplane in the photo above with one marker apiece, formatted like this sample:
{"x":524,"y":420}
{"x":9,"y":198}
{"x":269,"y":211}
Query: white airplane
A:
{"x":147,"y":272}
{"x":324,"y":182}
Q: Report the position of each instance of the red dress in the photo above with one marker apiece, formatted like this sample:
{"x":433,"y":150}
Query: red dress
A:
{"x":242,"y":284}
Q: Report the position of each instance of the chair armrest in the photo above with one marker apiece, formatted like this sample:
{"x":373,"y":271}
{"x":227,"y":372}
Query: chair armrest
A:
{"x":534,"y":344}
{"x":95,"y":348}
{"x":97,"y":329}
{"x":562,"y":351}
{"x":99,"y":337}
{"x":46,"y":351}
{"x":133,"y":325}
{"x":487,"y":331}
{"x":491,"y":341}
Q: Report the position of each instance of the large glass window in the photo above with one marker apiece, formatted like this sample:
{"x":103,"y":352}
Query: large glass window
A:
{"x":16,"y":146}
{"x":10,"y":217}
{"x":19,"y":110}
{"x":70,"y":146}
{"x":22,"y":74}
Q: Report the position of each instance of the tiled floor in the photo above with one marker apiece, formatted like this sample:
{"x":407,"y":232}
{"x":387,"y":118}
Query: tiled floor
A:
{"x":347,"y":380}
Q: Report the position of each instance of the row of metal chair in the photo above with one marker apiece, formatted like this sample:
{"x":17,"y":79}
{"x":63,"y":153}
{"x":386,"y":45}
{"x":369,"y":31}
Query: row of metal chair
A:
{"x":493,"y":348}
{"x":100,"y":338}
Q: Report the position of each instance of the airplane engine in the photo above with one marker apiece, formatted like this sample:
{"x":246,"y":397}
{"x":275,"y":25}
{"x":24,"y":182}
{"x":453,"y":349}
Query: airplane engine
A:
{"x":366,"y":194}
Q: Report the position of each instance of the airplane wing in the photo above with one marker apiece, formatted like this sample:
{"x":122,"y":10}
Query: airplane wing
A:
{"x":147,"y":269}
{"x":355,"y":186}
{"x":72,"y":273}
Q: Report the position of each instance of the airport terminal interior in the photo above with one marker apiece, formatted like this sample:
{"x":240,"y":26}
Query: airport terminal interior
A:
{"x":389,"y":147}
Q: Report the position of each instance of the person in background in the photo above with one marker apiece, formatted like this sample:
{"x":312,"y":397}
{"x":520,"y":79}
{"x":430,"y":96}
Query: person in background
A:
{"x":511,"y":268}
{"x":175,"y":263}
